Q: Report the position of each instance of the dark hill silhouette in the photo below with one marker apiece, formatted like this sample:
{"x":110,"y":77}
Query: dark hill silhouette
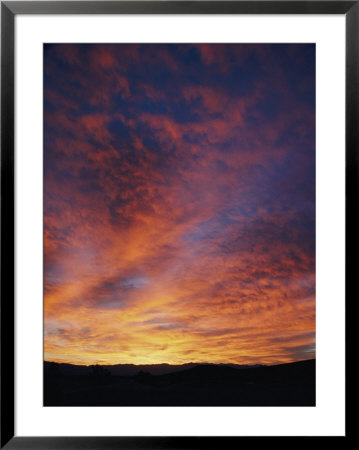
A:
{"x":203,"y":372}
{"x":290,"y":384}
{"x":264,"y":374}
{"x":304,"y":370}
{"x":132,"y":369}
{"x":118,"y":369}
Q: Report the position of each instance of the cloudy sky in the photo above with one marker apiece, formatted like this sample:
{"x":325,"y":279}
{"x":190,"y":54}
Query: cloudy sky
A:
{"x":179,"y":203}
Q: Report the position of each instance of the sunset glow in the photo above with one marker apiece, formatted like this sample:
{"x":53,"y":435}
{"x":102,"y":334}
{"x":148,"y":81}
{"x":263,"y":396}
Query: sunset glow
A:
{"x":179,"y":203}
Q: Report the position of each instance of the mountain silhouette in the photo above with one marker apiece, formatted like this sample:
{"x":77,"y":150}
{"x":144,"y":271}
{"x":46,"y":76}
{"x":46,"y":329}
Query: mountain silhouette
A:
{"x":291,"y":384}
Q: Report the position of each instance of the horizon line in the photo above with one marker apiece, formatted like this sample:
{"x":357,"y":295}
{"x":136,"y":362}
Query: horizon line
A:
{"x":181,"y":364}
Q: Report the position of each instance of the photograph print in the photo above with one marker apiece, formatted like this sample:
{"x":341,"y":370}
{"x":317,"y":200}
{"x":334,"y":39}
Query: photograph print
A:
{"x":179,"y":225}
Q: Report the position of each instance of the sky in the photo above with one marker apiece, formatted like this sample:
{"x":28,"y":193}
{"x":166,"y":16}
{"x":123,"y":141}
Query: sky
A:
{"x":179,"y":203}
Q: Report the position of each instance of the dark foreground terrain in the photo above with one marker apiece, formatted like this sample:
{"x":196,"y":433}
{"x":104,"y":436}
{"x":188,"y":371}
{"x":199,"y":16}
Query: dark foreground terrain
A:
{"x":190,"y":385}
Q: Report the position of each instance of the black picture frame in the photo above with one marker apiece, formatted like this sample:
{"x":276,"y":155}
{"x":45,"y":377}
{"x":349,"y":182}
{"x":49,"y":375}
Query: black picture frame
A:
{"x":9,"y":9}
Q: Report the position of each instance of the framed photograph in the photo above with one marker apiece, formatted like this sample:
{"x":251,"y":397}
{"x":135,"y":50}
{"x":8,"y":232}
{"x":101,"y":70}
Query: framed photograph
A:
{"x":176,"y":185}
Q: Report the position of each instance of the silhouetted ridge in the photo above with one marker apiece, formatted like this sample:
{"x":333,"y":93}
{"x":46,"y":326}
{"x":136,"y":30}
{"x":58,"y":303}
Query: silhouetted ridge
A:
{"x":290,"y":384}
{"x":278,"y":373}
{"x":203,"y":371}
{"x":281,"y":372}
{"x":116,"y":369}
